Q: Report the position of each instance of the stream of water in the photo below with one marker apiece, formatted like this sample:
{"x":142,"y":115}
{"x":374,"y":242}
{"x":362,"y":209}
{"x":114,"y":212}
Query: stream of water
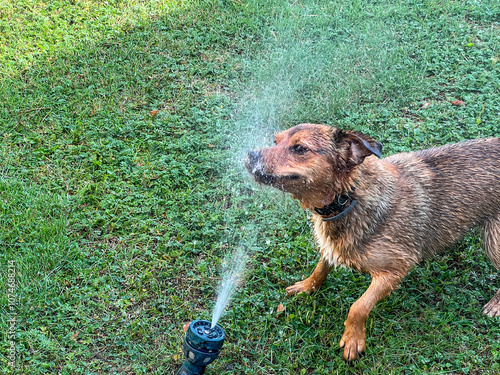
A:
{"x":232,"y":274}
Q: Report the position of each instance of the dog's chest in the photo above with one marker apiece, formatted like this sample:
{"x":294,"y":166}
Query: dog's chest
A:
{"x":336,"y":248}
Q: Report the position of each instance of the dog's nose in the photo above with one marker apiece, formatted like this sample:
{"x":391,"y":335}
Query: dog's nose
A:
{"x":253,"y":157}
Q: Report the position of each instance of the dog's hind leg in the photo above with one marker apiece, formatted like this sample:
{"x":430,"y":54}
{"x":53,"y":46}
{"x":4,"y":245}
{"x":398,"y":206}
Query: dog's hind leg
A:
{"x":491,"y":240}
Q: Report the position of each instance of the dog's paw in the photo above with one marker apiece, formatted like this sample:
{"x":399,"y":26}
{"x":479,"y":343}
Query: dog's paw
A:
{"x":353,"y":342}
{"x":304,"y":286}
{"x":492,"y":308}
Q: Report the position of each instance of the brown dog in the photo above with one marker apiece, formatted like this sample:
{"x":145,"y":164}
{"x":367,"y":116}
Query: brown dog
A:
{"x":382,"y":216}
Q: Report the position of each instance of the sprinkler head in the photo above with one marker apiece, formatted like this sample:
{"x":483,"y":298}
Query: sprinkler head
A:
{"x":202,"y":345}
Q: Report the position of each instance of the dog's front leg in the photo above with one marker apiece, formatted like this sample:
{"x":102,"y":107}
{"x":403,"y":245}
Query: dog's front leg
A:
{"x":353,"y":340}
{"x":313,"y":282}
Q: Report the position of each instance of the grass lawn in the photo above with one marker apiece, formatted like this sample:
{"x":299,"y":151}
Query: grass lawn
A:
{"x":123,"y":126}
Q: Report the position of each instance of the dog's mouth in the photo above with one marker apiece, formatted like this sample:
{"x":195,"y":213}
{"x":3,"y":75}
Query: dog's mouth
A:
{"x":279,"y":182}
{"x":258,"y":171}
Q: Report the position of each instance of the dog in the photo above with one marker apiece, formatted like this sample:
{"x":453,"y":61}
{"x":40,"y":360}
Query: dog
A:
{"x":382,"y":216}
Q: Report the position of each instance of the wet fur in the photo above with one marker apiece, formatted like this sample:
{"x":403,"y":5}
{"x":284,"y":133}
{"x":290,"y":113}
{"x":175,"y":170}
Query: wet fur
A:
{"x":410,"y":206}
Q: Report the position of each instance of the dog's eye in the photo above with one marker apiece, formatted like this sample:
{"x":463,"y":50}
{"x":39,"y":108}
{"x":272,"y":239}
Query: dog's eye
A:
{"x":299,"y":149}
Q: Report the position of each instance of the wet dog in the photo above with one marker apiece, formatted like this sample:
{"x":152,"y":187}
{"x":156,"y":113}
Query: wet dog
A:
{"x":382,"y":216}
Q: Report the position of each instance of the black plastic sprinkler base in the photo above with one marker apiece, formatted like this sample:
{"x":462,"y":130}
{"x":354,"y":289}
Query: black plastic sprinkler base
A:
{"x":202,"y":345}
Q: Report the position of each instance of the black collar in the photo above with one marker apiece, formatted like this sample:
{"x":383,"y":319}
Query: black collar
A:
{"x":341,"y":206}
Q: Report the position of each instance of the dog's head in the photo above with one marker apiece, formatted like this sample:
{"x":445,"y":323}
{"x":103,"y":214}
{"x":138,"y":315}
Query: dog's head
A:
{"x":311,"y":161}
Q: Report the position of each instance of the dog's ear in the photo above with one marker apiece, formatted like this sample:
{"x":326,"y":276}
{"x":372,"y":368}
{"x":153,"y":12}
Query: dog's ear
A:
{"x":356,"y":146}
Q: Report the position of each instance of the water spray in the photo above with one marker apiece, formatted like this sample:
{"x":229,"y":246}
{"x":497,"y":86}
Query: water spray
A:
{"x":202,"y":345}
{"x":204,"y":339}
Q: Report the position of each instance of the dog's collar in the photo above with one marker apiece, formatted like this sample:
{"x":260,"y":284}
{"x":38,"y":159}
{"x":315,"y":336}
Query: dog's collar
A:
{"x":339,"y":205}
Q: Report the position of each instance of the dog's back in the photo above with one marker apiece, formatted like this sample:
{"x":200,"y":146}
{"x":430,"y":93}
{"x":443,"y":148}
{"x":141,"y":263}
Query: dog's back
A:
{"x":458,"y":187}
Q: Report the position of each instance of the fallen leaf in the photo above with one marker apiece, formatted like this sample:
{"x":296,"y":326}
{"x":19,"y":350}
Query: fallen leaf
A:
{"x":153,"y":113}
{"x":457,"y":102}
{"x":280,"y":310}
{"x":74,"y":336}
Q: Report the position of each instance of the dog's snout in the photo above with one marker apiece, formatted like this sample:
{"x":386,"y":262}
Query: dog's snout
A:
{"x":253,"y":157}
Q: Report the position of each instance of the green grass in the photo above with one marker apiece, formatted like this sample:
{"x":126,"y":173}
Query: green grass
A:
{"x":118,"y":219}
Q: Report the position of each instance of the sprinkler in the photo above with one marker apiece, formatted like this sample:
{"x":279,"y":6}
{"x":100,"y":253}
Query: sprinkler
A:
{"x":202,"y":345}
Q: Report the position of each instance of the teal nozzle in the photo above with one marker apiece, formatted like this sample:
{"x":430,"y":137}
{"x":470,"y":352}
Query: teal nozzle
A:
{"x":202,"y":345}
